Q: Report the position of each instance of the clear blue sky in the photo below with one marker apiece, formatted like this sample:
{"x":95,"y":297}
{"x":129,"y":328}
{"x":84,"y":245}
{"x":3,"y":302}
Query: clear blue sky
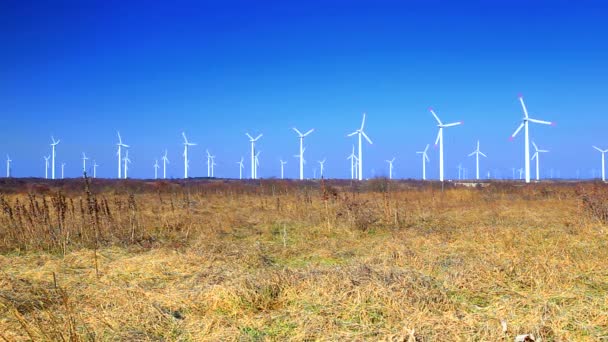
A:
{"x":81,"y":70}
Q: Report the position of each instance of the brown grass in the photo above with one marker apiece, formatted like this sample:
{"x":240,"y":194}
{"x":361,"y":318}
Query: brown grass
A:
{"x":276,"y":260}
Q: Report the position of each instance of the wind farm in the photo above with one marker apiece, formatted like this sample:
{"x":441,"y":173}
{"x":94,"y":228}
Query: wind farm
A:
{"x":253,"y":171}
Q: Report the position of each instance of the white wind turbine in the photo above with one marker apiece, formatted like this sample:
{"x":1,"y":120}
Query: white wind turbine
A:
{"x":120,"y":145}
{"x":322,"y":166}
{"x":186,"y":162}
{"x":460,"y":171}
{"x":301,"y":137}
{"x":524,"y":125}
{"x":8,"y":166}
{"x":360,"y":133}
{"x":127,"y":161}
{"x":156,"y":166}
{"x":257,"y":164}
{"x":439,"y":140}
{"x":390,"y":168}
{"x":46,"y":167}
{"x":53,"y":144}
{"x":353,"y":160}
{"x":537,"y":156}
{"x":282,"y":166}
{"x":95,"y":168}
{"x":84,"y":163}
{"x":603,"y":152}
{"x":62,"y":167}
{"x":298,"y":155}
{"x":477,"y":153}
{"x":241,"y":167}
{"x":165,"y":162}
{"x":425,"y":159}
{"x":213,"y":164}
{"x":253,"y":154}
{"x":210,"y":163}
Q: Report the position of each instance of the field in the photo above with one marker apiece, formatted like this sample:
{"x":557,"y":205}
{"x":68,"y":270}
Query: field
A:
{"x":282,"y":260}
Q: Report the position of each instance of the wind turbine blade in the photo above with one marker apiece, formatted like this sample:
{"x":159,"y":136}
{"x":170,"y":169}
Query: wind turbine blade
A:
{"x":366,"y":137}
{"x":483,"y":154}
{"x":472,"y":153}
{"x":517,"y":130}
{"x":453,"y":124}
{"x":523,"y":106}
{"x":363,"y":122}
{"x":119,"y":138}
{"x":185,"y":139}
{"x":353,"y":133}
{"x":435,"y":115}
{"x":310,"y":131}
{"x":534,"y":155}
{"x":250,"y":137}
{"x":543,"y":151}
{"x":426,"y":157}
{"x":297,"y":131}
{"x":259,"y":136}
{"x":597,"y":148}
{"x":535,"y":147}
{"x":438,"y":135}
{"x":541,"y":122}
{"x":127,"y":146}
{"x":426,"y":148}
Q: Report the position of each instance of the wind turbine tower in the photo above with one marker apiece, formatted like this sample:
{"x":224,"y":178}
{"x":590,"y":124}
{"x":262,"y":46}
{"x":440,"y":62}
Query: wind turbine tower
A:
{"x":186,"y":162}
{"x":46,"y":167}
{"x":524,"y":124}
{"x":8,"y":166}
{"x":120,"y":145}
{"x":537,"y":156}
{"x":156,"y":169}
{"x":322,"y":166}
{"x":84,"y":163}
{"x":603,"y":152}
{"x":477,"y":153}
{"x":95,"y":168}
{"x":165,"y":162}
{"x":439,"y":140}
{"x":425,"y":159}
{"x":282,"y":167}
{"x":53,"y":144}
{"x":241,"y":167}
{"x":301,"y":137}
{"x":126,"y":161}
{"x":390,"y":168}
{"x":360,"y":133}
{"x":253,"y":154}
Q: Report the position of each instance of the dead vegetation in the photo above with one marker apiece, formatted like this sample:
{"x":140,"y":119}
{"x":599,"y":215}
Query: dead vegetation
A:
{"x":275,"y":260}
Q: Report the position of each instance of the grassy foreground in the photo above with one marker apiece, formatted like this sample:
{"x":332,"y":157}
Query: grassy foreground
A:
{"x":278,"y":261}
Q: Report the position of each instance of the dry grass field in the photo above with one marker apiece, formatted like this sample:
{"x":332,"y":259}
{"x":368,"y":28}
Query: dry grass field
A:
{"x":273,"y":260}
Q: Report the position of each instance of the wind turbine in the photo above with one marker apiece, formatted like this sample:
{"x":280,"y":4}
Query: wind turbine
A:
{"x":301,"y":137}
{"x":477,"y":152}
{"x":241,"y":167}
{"x":8,"y":166}
{"x":46,"y":167}
{"x":524,"y":124}
{"x":282,"y":165}
{"x":322,"y":166}
{"x":440,"y":140}
{"x":256,"y":164}
{"x":210,"y":164}
{"x":84,"y":163}
{"x":425,"y":159}
{"x":95,"y":168}
{"x":390,"y":168}
{"x":298,"y":155}
{"x":253,"y":155}
{"x":460,"y":171}
{"x":53,"y":144}
{"x":213,"y":166}
{"x":360,"y":133}
{"x":120,"y":145}
{"x":521,"y":172}
{"x":353,"y":159}
{"x":126,"y":161}
{"x":165,"y":162}
{"x":62,"y":167}
{"x":603,"y":152}
{"x":156,"y":169}
{"x":186,"y":144}
{"x":537,"y":156}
